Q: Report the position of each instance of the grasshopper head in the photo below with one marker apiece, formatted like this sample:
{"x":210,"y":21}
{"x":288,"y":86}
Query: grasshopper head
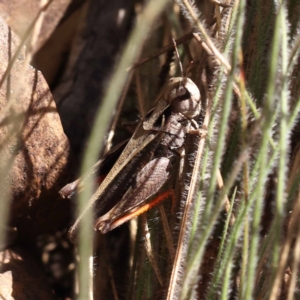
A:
{"x":183,"y":96}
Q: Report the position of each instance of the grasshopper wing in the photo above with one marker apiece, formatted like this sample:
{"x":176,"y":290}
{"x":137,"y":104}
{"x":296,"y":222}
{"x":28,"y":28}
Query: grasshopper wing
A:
{"x":148,"y":182}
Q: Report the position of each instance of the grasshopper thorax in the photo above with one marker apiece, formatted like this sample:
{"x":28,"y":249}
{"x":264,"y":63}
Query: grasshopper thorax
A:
{"x":183,"y":96}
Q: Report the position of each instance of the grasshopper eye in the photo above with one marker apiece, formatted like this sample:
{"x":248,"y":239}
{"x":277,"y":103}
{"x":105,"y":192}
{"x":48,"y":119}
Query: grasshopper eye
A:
{"x":181,"y":90}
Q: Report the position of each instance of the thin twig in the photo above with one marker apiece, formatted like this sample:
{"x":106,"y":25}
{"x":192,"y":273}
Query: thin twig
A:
{"x":206,"y":37}
{"x":163,"y":50}
{"x":164,"y":220}
{"x":151,"y":255}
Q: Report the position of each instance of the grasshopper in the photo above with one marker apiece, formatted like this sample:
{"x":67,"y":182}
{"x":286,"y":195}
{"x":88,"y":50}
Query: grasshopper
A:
{"x":146,"y":162}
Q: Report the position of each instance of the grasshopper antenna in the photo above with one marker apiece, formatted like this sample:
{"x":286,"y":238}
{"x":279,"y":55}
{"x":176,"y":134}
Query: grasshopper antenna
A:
{"x":178,"y":58}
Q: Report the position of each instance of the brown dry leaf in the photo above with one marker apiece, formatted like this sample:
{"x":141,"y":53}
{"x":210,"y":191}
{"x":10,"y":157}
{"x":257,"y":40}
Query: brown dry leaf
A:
{"x":20,"y":14}
{"x":34,"y":150}
{"x":21,"y":277}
